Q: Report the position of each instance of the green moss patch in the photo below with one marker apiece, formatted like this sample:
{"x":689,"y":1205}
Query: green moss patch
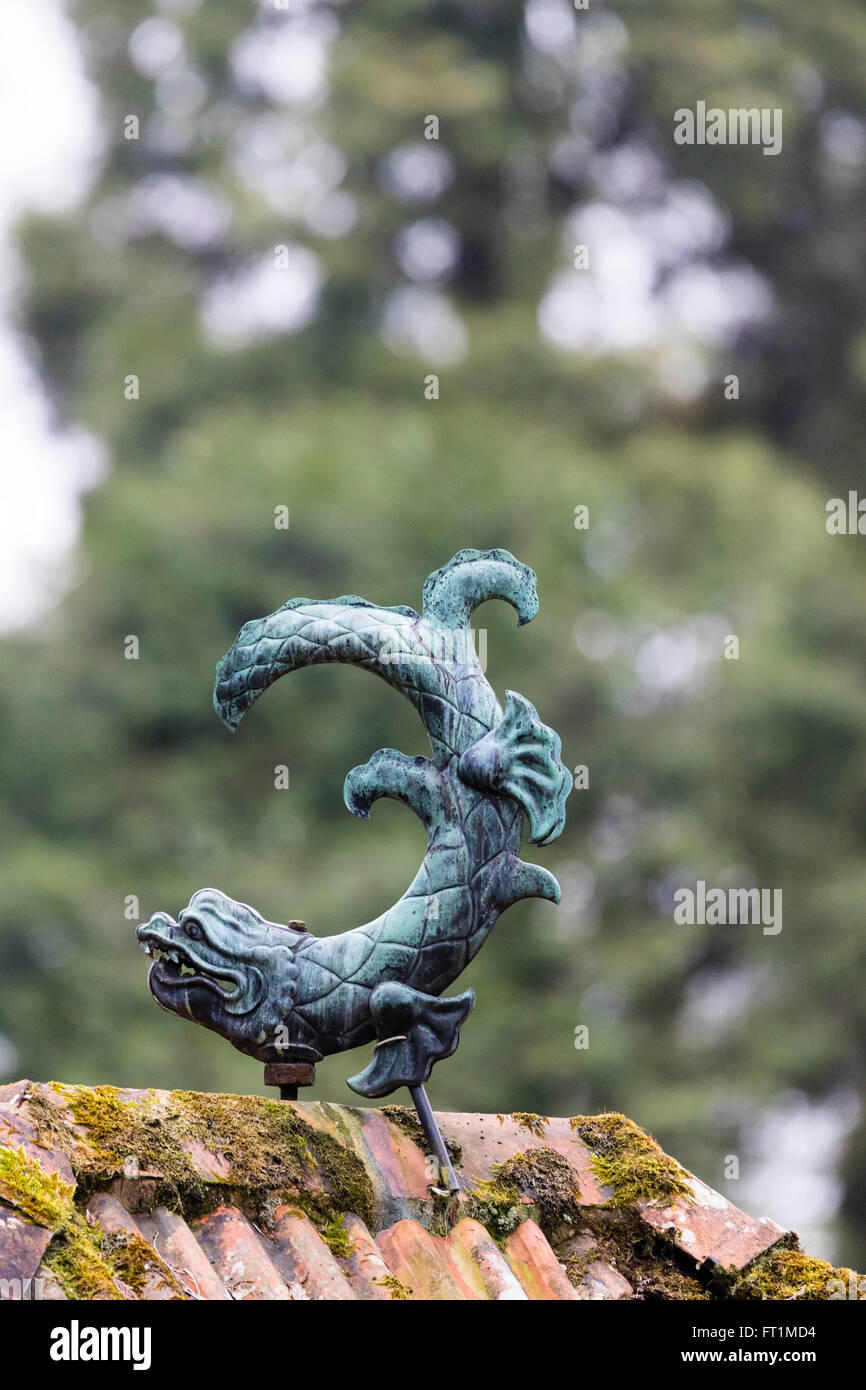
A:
{"x":77,"y":1261}
{"x":543,"y":1177}
{"x":399,"y":1292}
{"x":85,"y":1261}
{"x":88,"y":1263}
{"x":548,"y":1180}
{"x":497,"y":1206}
{"x":268,"y":1150}
{"x":43,"y":1197}
{"x":536,"y":1124}
{"x":336,"y":1238}
{"x":631,"y":1162}
{"x":787,"y":1274}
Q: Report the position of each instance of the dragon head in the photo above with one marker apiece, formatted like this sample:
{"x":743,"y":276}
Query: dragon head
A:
{"x":223,"y":965}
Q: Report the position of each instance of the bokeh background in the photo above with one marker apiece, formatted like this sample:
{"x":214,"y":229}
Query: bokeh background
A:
{"x":304,"y":127}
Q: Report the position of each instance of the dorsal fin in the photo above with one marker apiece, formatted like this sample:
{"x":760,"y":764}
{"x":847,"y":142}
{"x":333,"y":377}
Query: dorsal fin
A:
{"x":519,"y":758}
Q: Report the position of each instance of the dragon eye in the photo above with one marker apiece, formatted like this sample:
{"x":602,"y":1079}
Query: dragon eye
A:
{"x":193,"y":930}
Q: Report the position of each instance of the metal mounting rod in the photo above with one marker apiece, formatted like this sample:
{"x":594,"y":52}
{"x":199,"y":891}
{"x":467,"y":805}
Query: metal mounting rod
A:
{"x":434,"y":1138}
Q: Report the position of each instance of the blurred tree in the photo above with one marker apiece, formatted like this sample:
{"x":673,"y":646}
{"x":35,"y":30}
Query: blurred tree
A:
{"x":301,"y":139}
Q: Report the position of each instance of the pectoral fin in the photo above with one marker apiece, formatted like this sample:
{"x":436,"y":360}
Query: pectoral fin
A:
{"x":414,"y":1030}
{"x":532,"y":881}
{"x":519,"y":758}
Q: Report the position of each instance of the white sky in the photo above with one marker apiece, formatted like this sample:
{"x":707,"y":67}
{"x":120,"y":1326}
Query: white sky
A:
{"x":50,"y":138}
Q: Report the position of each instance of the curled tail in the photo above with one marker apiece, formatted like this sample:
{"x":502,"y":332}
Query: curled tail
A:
{"x":452,"y":593}
{"x":426,"y":657}
{"x":308,"y":632}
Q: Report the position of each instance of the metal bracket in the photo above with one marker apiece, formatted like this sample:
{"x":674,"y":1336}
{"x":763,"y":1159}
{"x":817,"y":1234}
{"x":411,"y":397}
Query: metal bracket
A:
{"x":289,"y":1076}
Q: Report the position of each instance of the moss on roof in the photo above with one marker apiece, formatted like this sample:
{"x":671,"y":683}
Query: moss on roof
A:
{"x":43,"y":1197}
{"x":548,"y":1180}
{"x":196,"y":1152}
{"x":86,"y":1261}
{"x":630,"y":1162}
{"x":267,"y":1146}
{"x":786,"y":1274}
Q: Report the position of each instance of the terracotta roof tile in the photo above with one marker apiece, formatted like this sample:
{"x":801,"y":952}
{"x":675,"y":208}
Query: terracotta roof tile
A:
{"x":175,"y":1243}
{"x":478,"y":1265}
{"x":337,"y":1204}
{"x":304,"y":1259}
{"x":420,"y":1262}
{"x":535,"y":1264}
{"x":365,"y":1267}
{"x":239,"y":1257}
{"x":22,"y":1245}
{"x":114,"y":1220}
{"x":709,"y":1227}
{"x":487,"y":1140}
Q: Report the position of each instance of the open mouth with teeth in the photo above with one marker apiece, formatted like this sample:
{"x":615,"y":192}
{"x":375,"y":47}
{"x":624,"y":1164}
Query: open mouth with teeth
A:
{"x":175,"y":963}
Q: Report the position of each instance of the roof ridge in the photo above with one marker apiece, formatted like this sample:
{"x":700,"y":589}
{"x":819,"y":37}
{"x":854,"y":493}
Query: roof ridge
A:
{"x":174,"y":1194}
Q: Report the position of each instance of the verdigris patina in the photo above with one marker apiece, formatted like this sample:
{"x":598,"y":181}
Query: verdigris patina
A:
{"x":280,"y":993}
